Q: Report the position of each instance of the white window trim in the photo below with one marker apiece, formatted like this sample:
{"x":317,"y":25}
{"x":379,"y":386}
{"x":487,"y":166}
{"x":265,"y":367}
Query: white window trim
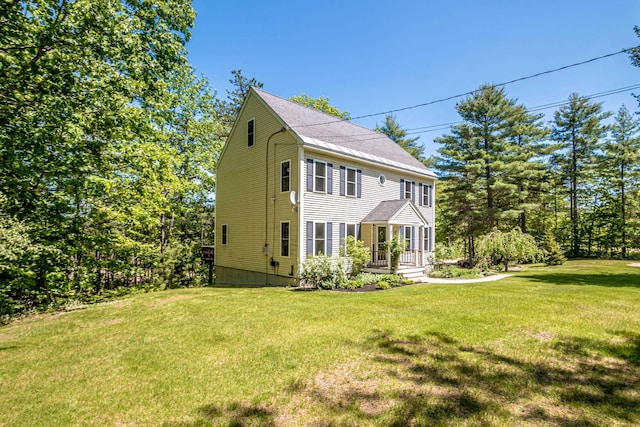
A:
{"x":224,"y":234}
{"x":288,"y":239}
{"x":281,"y":177}
{"x":346,"y":182}
{"x":324,"y":252}
{"x":346,"y":229}
{"x":326,"y":178}
{"x":408,"y":230}
{"x":407,"y":185}
{"x":253,"y":119}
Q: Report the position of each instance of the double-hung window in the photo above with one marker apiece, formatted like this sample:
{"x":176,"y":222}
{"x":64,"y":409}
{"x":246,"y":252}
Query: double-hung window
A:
{"x":319,"y":238}
{"x":427,"y":195}
{"x":320,"y":177}
{"x":407,"y":189}
{"x":351,"y":182}
{"x":284,"y":239}
{"x":408,"y":237}
{"x":428,"y":231}
{"x":285,"y":175}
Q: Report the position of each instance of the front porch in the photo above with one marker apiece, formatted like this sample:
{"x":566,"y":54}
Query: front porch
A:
{"x":391,"y":220}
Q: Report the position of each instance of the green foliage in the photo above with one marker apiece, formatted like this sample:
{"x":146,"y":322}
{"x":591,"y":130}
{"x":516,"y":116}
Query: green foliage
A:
{"x":577,"y":129}
{"x":359,"y":254}
{"x":451,"y":272}
{"x":324,"y":272}
{"x":108,"y":143}
{"x":501,"y":247}
{"x":398,"y":134}
{"x":552,"y":253}
{"x":492,"y":170}
{"x":382,"y":285}
{"x":396,"y":246}
{"x":320,"y":104}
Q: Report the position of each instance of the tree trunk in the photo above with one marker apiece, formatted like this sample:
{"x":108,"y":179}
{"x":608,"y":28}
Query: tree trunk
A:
{"x":622,"y":212}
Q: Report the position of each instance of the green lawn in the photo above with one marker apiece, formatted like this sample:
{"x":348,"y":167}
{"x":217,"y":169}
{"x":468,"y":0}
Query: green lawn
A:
{"x":548,"y":346}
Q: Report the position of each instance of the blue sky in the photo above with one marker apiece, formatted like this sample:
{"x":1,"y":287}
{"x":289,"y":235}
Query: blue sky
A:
{"x":373,"y":56}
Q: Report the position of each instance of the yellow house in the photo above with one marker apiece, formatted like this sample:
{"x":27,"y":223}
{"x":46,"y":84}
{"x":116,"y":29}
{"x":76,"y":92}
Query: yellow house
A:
{"x":294,"y":182}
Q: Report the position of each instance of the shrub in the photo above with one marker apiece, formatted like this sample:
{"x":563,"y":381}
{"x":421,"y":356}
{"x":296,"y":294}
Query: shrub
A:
{"x":357,"y":252}
{"x":383,"y":285}
{"x":324,"y":272}
{"x":396,"y":247}
{"x":552,"y":254}
{"x":501,"y":247}
{"x":352,"y":284}
{"x":368,"y":278}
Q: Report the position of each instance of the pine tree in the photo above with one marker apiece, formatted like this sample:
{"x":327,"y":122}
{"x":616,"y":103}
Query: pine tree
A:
{"x":398,"y":134}
{"x":577,"y":128}
{"x":553,"y":254}
{"x":527,"y":150}
{"x":621,"y":165}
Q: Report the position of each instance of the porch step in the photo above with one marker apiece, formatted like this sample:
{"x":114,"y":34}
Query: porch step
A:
{"x":416,"y":274}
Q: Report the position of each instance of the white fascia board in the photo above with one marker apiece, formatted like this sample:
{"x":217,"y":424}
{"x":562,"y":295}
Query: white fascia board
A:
{"x":337,"y":149}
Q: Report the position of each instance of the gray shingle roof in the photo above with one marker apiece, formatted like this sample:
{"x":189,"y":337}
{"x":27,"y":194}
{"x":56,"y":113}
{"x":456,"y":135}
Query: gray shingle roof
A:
{"x":310,"y":123}
{"x":385,"y":210}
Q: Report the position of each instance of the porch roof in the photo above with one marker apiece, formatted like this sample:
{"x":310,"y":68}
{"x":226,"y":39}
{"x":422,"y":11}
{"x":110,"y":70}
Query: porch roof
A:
{"x":395,"y":212}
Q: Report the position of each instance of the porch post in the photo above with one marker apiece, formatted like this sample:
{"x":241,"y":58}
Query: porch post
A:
{"x":389,"y":238}
{"x":421,"y":246}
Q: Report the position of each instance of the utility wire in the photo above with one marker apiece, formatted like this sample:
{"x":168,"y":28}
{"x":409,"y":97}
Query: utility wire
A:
{"x":445,"y":126}
{"x":448,"y":98}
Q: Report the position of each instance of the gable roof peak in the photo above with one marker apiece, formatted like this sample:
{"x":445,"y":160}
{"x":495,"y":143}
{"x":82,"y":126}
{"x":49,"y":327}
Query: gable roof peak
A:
{"x":326,"y":132}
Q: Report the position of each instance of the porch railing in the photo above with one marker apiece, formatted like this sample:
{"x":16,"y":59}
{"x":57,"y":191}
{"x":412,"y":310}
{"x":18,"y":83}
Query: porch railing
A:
{"x":379,"y":258}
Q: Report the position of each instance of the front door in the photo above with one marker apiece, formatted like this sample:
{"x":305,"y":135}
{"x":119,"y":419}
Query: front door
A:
{"x":380,"y":244}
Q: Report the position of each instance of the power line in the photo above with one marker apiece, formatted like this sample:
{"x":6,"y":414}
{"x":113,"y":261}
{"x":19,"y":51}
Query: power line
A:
{"x":449,"y":98}
{"x":445,"y":126}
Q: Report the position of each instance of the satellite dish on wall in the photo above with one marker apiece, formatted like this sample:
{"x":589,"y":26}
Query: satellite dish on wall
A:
{"x":293,"y":200}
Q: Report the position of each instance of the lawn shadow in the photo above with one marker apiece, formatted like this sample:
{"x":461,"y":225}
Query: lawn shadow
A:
{"x":577,"y":381}
{"x":232,"y":414}
{"x":435,"y":380}
{"x":616,"y":280}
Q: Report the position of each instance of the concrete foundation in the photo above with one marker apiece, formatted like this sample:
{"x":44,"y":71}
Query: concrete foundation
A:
{"x":226,"y":276}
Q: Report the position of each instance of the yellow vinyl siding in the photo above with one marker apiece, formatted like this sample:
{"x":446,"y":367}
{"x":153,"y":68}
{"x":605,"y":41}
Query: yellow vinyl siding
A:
{"x":241,"y":202}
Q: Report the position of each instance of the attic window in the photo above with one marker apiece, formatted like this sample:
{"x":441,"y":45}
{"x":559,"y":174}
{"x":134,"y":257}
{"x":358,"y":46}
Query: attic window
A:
{"x":251,"y":132}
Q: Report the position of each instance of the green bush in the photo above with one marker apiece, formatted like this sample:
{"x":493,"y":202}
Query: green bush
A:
{"x":383,"y":285}
{"x":357,"y":252}
{"x":552,"y":253}
{"x":452,"y":272}
{"x":352,"y":284}
{"x":324,"y":272}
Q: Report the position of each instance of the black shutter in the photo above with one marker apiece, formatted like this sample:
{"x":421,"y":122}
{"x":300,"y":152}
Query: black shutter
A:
{"x":329,"y":178}
{"x":309,"y":174}
{"x":343,"y":181}
{"x":343,"y":232}
{"x":359,"y":183}
{"x":309,"y":238}
{"x":401,"y":189}
{"x":329,"y":241}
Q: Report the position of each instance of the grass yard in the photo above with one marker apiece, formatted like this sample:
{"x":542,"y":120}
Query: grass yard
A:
{"x":548,"y":346}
